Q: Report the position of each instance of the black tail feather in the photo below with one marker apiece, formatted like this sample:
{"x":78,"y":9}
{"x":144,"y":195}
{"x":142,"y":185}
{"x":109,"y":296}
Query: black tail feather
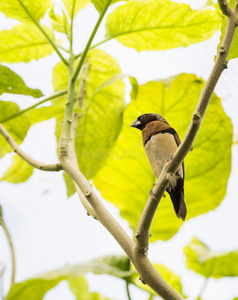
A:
{"x":177,"y":197}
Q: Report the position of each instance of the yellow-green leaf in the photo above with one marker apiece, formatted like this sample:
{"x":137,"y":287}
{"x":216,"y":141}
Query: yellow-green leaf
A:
{"x":23,"y":43}
{"x":15,"y":9}
{"x":17,"y":127}
{"x":169,"y":276}
{"x":79,"y":286}
{"x":100,"y":4}
{"x":203,"y":261}
{"x":160,"y":25}
{"x":12,"y":83}
{"x":19,"y":171}
{"x":59,"y":23}
{"x":36,"y":287}
{"x":207,"y":167}
{"x":100,"y":124}
{"x":74,"y":6}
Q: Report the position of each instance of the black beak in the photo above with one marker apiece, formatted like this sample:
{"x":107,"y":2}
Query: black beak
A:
{"x":135,"y":124}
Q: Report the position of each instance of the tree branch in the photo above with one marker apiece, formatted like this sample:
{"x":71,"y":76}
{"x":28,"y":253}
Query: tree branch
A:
{"x":73,"y":158}
{"x":43,"y":32}
{"x":225,"y":7}
{"x":34,"y":163}
{"x":171,"y":167}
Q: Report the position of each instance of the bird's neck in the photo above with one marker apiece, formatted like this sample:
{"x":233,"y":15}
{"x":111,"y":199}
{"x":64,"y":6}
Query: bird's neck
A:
{"x":152,"y":128}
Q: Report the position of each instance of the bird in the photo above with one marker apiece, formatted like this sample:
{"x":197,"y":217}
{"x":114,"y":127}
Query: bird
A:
{"x":160,"y":142}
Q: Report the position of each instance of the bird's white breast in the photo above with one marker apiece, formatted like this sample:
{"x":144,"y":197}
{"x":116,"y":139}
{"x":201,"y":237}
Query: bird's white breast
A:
{"x":159,"y":149}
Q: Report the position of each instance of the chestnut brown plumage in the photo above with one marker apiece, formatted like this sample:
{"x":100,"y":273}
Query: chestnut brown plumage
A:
{"x":160,"y":142}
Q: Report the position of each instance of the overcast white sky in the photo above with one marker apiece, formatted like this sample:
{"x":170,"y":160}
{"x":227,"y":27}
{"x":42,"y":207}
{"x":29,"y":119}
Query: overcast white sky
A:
{"x":49,"y":231}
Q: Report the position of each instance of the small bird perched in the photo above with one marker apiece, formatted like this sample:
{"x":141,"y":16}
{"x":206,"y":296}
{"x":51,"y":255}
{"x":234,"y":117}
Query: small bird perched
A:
{"x":160,"y":142}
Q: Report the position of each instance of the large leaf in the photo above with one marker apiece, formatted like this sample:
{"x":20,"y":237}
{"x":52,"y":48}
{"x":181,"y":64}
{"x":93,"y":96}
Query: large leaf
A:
{"x":23,"y":43}
{"x":79,"y":287}
{"x":100,"y":124}
{"x":19,"y":171}
{"x":74,"y":6}
{"x":35,"y":288}
{"x":14,"y":9}
{"x":128,"y":172}
{"x":12,"y":83}
{"x":234,"y":47}
{"x":160,"y":25}
{"x":202,"y":260}
{"x":17,"y":127}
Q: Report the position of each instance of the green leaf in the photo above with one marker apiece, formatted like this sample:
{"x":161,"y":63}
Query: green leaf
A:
{"x":17,"y":127}
{"x":203,"y":261}
{"x":23,"y":43}
{"x":74,"y":6}
{"x":35,"y":288}
{"x":45,"y":113}
{"x":207,"y":167}
{"x":160,"y":25}
{"x":234,"y":46}
{"x":19,"y":171}
{"x":79,"y":287}
{"x":100,"y":4}
{"x":12,"y":83}
{"x":101,"y":120}
{"x":59,"y":23}
{"x":172,"y":279}
{"x":14,"y":9}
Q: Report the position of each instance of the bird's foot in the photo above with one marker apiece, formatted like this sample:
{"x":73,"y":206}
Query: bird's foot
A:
{"x":152,"y":194}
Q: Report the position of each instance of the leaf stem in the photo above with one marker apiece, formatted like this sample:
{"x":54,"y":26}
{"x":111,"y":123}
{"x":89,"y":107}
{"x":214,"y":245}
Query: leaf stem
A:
{"x":17,"y":114}
{"x":43,"y":32}
{"x":71,"y":27}
{"x":128,"y":290}
{"x":9,"y":239}
{"x":170,"y":168}
{"x":87,"y":48}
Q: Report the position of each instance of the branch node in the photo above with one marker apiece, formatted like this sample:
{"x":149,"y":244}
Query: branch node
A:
{"x":141,"y":280}
{"x":137,"y":235}
{"x":196,"y":117}
{"x":222,"y":50}
{"x":69,"y":120}
{"x":236,"y":23}
{"x":225,"y":65}
{"x":87,"y":193}
{"x":150,"y":235}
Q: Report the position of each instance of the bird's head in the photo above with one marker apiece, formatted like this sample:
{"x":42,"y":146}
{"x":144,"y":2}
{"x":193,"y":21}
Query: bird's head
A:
{"x":144,"y":119}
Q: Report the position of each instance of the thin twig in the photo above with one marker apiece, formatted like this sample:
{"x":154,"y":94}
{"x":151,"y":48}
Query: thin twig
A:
{"x":171,"y":167}
{"x":17,"y":114}
{"x":49,"y":39}
{"x":87,"y":48}
{"x":9,"y":239}
{"x":34,"y":163}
